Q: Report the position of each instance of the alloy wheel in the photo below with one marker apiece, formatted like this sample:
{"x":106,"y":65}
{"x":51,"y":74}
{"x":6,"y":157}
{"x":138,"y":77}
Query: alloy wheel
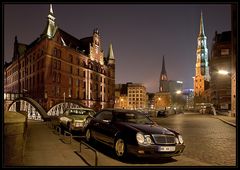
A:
{"x":120,"y":147}
{"x":88,"y":135}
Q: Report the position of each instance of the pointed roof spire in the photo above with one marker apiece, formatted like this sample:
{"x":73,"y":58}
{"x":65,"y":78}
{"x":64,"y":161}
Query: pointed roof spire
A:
{"x":15,"y":50}
{"x":201,"y":32}
{"x":96,"y":31}
{"x":110,"y":52}
{"x":163,"y":68}
{"x":51,"y":26}
{"x":51,"y":9}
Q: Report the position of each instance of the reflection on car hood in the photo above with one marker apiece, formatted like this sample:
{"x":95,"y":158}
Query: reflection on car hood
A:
{"x":148,"y":129}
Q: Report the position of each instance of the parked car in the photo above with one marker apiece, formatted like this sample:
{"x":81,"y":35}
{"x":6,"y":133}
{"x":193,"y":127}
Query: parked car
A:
{"x":75,"y":119}
{"x":162,"y":113}
{"x":128,"y":131}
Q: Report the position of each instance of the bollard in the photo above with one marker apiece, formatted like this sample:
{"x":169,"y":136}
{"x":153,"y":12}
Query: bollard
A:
{"x":14,"y":126}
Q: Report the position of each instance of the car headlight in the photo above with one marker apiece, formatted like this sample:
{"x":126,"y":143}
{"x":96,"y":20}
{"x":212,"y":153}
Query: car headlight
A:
{"x":143,"y":139}
{"x":176,"y":140}
{"x":148,"y":139}
{"x":140,"y":138}
{"x":180,"y":139}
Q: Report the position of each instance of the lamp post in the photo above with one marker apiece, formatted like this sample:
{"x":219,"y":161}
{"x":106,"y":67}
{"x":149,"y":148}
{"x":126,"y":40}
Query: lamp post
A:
{"x":64,"y":100}
{"x":121,"y":101}
{"x":159,"y":102}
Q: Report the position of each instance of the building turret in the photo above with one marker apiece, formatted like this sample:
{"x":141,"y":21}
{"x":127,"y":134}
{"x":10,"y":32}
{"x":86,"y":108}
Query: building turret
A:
{"x":15,"y":49}
{"x":51,"y":27}
{"x":110,"y":57}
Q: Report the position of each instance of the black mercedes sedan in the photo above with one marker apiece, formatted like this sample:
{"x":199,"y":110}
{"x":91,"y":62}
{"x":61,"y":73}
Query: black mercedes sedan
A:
{"x":129,"y":131}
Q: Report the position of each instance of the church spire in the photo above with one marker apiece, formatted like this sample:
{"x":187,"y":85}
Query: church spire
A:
{"x":201,"y":32}
{"x":163,"y":83}
{"x":201,"y":79}
{"x":163,"y":73}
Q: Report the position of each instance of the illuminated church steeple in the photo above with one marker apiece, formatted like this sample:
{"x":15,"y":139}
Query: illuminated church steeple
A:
{"x":163,"y":84}
{"x":201,"y":79}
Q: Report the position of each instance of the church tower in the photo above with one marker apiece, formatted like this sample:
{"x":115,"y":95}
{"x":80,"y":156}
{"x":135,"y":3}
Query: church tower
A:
{"x":201,"y":79}
{"x":163,"y":83}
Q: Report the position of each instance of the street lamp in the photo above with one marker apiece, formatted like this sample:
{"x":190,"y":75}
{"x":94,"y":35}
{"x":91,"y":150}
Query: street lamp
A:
{"x":64,"y":99}
{"x":178,"y":91}
{"x":223,"y":72}
{"x":121,"y":101}
{"x":159,"y":102}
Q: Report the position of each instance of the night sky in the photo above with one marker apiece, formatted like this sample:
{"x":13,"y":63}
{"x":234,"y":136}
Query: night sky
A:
{"x":140,"y":34}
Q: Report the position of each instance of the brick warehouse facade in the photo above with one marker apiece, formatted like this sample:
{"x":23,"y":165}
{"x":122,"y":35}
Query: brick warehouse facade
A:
{"x":57,"y":67}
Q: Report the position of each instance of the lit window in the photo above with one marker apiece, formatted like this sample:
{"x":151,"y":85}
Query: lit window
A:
{"x":224,"y":51}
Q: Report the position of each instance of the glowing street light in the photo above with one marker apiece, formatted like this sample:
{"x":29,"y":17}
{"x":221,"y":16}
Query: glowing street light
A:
{"x":223,"y":72}
{"x":178,"y":91}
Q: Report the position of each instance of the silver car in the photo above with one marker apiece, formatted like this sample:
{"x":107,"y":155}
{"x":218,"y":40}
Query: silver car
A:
{"x":74,"y":119}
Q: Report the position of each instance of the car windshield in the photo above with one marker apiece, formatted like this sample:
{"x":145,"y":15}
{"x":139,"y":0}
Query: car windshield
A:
{"x":80,"y":112}
{"x":132,"y":117}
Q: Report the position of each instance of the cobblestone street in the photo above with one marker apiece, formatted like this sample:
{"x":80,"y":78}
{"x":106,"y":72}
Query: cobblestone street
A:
{"x":207,"y":139}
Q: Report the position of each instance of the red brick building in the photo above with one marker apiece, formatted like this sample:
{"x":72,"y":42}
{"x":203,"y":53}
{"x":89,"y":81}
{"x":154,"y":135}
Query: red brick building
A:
{"x":57,"y":67}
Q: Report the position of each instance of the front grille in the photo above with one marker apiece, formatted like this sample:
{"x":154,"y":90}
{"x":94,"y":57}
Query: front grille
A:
{"x":164,"y":139}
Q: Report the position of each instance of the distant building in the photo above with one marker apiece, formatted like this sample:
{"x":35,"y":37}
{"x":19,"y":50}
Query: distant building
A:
{"x":121,"y":97}
{"x":175,"y":86}
{"x":137,"y":96}
{"x":201,"y":79}
{"x":57,"y":66}
{"x":176,"y":90}
{"x":189,"y":98}
{"x":221,"y":60}
{"x":134,"y":98}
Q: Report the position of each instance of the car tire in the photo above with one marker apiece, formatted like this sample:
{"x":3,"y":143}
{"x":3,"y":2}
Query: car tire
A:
{"x":120,"y":148}
{"x":88,"y":135}
{"x":69,"y":127}
{"x":62,"y":128}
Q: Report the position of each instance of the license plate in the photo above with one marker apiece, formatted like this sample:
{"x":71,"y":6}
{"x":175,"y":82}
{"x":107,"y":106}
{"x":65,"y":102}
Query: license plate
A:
{"x":166,"y":148}
{"x":79,"y":124}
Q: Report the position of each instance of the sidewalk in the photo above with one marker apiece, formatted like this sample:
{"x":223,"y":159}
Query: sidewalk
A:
{"x":227,"y":119}
{"x":44,"y":148}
